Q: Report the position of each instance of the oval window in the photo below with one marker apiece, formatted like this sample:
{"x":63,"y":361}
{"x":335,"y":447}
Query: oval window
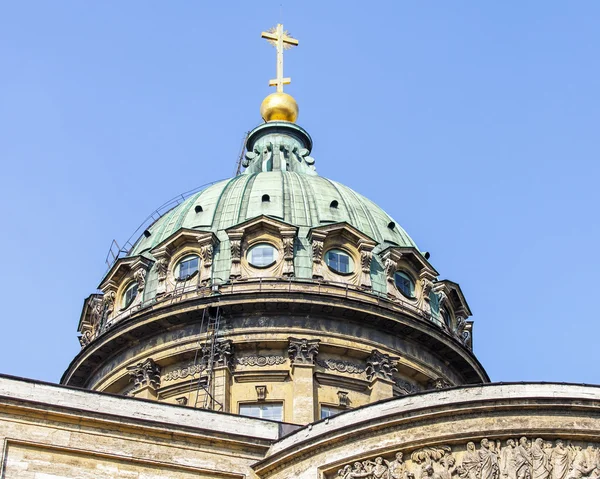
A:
{"x":129,"y":295}
{"x":187,"y":267}
{"x":405,"y":284}
{"x":262,"y":255}
{"x":339,"y":261}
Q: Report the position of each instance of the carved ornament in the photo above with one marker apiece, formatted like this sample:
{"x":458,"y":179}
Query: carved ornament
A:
{"x":259,"y":360}
{"x":303,"y":351}
{"x":381,"y":365}
{"x":516,"y":459}
{"x":146,"y":373}
{"x":341,"y":366}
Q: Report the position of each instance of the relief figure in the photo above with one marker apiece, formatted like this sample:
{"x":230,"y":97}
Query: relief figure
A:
{"x":540,"y":460}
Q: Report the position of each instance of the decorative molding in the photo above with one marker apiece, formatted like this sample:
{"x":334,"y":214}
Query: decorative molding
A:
{"x":365,"y":267}
{"x":405,"y":386}
{"x":224,"y":353}
{"x":140,"y":277}
{"x":263,"y":375}
{"x":438,"y":383}
{"x":261,"y":393}
{"x":346,"y":382}
{"x":184,"y":372}
{"x":236,"y":254}
{"x":146,"y":373}
{"x":317,"y":256}
{"x":522,"y":459}
{"x":303,"y":351}
{"x":162,"y":266}
{"x":381,"y":365}
{"x":288,"y":254}
{"x":259,"y":360}
{"x":341,"y":366}
{"x":343,"y":399}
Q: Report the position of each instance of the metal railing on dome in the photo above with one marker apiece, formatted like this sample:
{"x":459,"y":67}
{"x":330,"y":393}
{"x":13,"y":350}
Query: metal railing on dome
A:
{"x":274,"y":285}
{"x":115,"y":251}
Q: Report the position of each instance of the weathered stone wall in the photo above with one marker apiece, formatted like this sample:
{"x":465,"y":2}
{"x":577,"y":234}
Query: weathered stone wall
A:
{"x":433,"y":429}
{"x":52,"y":432}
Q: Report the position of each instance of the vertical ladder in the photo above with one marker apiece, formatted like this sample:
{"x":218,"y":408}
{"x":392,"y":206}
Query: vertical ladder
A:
{"x":208,"y":350}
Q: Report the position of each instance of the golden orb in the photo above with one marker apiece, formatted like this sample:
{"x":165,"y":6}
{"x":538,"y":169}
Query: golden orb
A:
{"x":279,"y":106}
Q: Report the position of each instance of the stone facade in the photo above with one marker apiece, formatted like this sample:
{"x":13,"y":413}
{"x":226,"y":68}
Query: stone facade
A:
{"x":479,"y":432}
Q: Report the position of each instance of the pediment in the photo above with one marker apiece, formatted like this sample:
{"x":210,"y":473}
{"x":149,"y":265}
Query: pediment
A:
{"x":455,"y":295}
{"x":344,"y":229}
{"x":262,"y":223}
{"x":121,"y":268}
{"x":413,"y":256}
{"x":181,"y":238}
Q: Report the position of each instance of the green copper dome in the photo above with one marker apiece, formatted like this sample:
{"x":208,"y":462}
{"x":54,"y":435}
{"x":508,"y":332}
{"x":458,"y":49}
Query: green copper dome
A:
{"x":280,"y":182}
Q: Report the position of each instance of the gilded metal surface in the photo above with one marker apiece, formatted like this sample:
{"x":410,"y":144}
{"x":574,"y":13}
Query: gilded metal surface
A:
{"x":279,"y":106}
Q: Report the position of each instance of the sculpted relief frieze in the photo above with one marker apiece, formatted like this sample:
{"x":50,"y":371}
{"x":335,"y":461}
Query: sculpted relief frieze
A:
{"x":492,"y":459}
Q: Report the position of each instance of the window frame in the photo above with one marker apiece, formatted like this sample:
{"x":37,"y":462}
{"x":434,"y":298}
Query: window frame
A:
{"x":177,"y":269}
{"x":351,"y":263}
{"x":130,"y":286}
{"x":403,"y":273}
{"x":260,"y":404}
{"x":331,"y":406}
{"x":275,"y":250}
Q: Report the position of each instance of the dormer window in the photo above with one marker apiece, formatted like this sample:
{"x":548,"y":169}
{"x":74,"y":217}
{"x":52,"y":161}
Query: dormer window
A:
{"x":405,"y":284}
{"x":339,"y":261}
{"x":187,"y":267}
{"x":262,"y":255}
{"x":129,"y":295}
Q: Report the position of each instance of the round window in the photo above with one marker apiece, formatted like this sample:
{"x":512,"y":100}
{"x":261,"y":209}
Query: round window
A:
{"x":405,"y":284}
{"x":187,"y":267}
{"x":339,"y":261}
{"x":262,"y":255}
{"x":129,"y":295}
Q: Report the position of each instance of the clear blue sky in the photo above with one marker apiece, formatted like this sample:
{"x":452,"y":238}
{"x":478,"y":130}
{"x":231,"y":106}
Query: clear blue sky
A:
{"x":474,"y":124}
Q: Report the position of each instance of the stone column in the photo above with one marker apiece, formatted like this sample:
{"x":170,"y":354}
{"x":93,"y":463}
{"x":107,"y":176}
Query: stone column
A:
{"x":304,"y":393}
{"x":222,"y":387}
{"x":223,"y":359}
{"x":302,"y":353}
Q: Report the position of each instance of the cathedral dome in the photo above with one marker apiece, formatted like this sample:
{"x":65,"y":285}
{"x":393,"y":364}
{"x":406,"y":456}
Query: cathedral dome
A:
{"x":294,"y":265}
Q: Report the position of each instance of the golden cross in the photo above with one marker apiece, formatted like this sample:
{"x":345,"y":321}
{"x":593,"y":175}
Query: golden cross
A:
{"x":282,"y":41}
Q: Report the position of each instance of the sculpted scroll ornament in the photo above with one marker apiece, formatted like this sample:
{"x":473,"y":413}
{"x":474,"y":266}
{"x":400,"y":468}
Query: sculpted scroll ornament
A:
{"x":341,"y":366}
{"x":288,"y":255}
{"x":317,"y":255}
{"x":236,"y":251}
{"x":259,"y":360}
{"x":365,"y":267}
{"x":161,"y":268}
{"x":108,"y":302}
{"x":522,"y":459}
{"x":140,"y":278}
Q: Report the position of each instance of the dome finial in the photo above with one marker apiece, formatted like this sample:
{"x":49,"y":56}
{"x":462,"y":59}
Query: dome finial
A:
{"x":279,"y":106}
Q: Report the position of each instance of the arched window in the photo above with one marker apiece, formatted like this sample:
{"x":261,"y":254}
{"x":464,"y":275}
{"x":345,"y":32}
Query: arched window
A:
{"x":266,"y":198}
{"x":334,"y":204}
{"x":339,"y":261}
{"x":129,"y":295}
{"x":262,"y":255}
{"x":187,"y":267}
{"x":405,"y":284}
